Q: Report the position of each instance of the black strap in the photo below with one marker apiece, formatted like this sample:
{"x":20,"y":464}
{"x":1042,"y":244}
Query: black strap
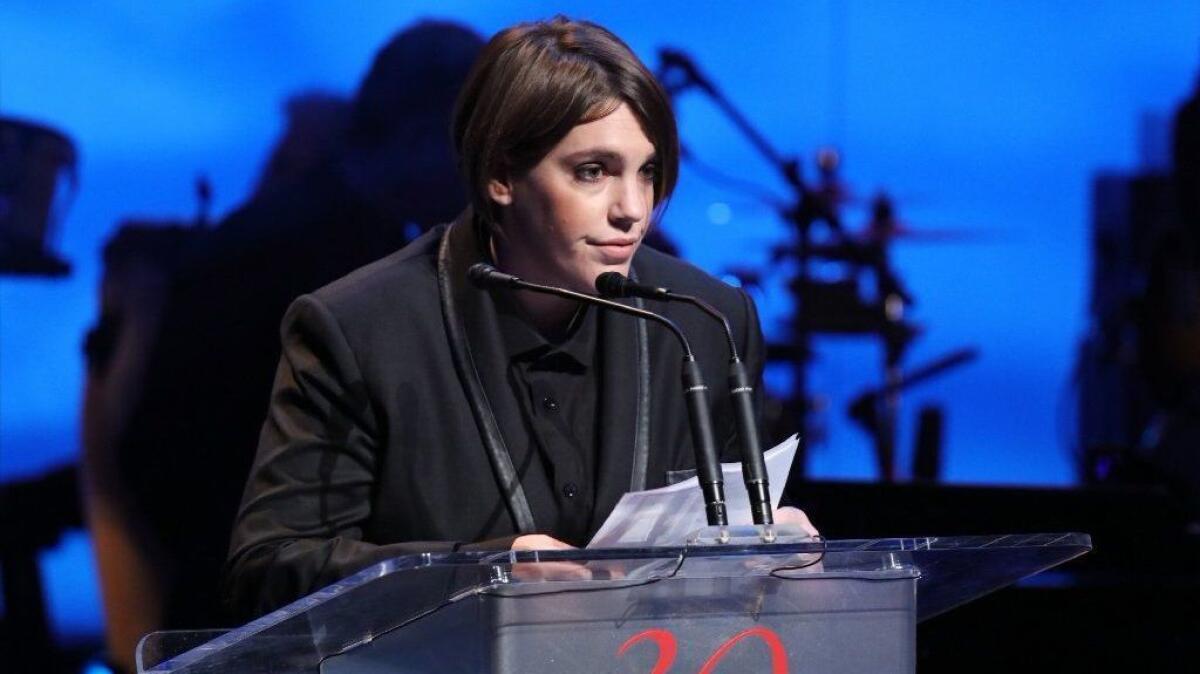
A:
{"x":641,"y":443}
{"x":502,"y":465}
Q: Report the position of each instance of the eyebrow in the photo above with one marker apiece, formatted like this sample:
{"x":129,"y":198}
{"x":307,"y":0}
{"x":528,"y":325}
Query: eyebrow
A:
{"x":604,"y":153}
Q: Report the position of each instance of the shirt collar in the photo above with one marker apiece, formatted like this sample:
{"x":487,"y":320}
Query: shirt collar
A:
{"x":523,"y":342}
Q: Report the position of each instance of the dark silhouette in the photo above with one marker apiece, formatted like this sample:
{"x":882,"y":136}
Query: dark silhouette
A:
{"x":345,"y":186}
{"x":315,"y":133}
{"x":1170,"y":348}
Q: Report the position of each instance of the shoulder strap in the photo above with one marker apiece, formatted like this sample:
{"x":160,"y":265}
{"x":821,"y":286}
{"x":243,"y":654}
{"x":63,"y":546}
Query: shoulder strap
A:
{"x":641,"y":446}
{"x":493,"y":442}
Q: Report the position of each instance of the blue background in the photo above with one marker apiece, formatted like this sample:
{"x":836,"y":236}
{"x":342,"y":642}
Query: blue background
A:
{"x":991,"y":117}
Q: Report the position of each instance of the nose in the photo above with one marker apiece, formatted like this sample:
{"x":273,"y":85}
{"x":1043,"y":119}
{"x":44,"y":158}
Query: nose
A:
{"x":631,"y":202}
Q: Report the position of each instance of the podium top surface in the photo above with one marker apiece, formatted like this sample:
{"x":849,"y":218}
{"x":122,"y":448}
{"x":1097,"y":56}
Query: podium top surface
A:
{"x":949,"y":571}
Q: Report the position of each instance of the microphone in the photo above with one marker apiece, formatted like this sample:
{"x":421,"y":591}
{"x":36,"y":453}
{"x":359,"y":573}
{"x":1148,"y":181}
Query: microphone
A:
{"x":754,"y":470}
{"x":695,"y":393}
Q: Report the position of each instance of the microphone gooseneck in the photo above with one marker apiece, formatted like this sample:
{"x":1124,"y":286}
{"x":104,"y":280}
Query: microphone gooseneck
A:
{"x":615,"y":284}
{"x":695,"y":393}
{"x":485,"y":275}
{"x":741,"y":390}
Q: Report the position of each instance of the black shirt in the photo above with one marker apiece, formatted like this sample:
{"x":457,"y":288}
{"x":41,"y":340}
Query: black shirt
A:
{"x":556,"y":381}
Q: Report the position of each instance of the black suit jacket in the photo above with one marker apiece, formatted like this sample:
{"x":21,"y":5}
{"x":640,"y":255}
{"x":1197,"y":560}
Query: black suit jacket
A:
{"x":390,"y":402}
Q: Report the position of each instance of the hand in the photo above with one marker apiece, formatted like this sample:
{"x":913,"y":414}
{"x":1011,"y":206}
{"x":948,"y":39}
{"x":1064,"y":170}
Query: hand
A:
{"x":795,"y":517}
{"x":540,"y":542}
{"x":532,"y":572}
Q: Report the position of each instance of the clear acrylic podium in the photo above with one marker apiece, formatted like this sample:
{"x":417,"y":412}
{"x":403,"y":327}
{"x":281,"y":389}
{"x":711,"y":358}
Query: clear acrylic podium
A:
{"x":833,"y":606}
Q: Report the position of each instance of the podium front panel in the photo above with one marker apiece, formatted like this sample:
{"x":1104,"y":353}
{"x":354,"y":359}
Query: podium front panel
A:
{"x":822,"y":623}
{"x":824,"y":605}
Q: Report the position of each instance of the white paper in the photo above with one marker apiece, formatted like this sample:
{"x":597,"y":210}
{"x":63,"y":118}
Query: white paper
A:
{"x":666,"y":516}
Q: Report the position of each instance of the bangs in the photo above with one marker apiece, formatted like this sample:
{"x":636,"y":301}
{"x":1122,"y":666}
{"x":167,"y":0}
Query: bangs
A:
{"x":535,"y":82}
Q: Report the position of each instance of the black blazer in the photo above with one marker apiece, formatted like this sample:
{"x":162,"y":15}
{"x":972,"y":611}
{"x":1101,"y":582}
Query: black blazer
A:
{"x":391,"y":430}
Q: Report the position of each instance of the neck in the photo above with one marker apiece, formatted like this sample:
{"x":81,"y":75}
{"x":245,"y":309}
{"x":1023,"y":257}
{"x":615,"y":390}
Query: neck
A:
{"x":549,"y":314}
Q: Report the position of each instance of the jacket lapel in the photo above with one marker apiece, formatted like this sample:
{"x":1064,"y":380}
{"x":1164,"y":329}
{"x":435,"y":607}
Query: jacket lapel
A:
{"x":483,"y":370}
{"x":624,"y":414}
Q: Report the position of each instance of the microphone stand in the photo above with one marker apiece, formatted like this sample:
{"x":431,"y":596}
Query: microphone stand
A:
{"x":741,"y":392}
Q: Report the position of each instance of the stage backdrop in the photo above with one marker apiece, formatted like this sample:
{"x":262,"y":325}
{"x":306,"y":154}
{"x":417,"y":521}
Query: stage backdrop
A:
{"x":983,"y":116}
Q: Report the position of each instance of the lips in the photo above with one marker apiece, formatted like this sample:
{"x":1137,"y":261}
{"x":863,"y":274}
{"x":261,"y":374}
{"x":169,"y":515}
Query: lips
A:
{"x":617,"y":243}
{"x":616,"y":251}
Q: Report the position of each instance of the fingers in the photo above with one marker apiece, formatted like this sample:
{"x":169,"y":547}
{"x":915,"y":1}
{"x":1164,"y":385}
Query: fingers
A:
{"x":539,"y":542}
{"x":560,"y":570}
{"x":536,"y":571}
{"x":794,"y":516}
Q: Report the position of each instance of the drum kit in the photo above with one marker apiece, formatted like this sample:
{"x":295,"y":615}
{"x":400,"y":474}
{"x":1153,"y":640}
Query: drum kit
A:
{"x":844,"y":305}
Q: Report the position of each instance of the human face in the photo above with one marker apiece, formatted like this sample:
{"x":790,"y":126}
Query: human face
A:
{"x":583,"y":209}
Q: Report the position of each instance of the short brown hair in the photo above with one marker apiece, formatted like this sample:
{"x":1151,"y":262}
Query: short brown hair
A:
{"x":534,"y":82}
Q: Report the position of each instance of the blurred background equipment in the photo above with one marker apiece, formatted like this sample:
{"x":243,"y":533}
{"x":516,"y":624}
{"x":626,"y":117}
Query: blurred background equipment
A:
{"x":183,"y":355}
{"x":822,"y":305}
{"x":1139,"y":364}
{"x":871,"y":408}
{"x":38,"y":180}
{"x":34,"y":515}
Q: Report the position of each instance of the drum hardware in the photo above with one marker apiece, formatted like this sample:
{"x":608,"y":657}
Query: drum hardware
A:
{"x":38,"y":182}
{"x":818,"y":235}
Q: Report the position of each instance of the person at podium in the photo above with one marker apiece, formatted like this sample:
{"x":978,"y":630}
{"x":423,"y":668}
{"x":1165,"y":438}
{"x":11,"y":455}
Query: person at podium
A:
{"x":414,"y":412}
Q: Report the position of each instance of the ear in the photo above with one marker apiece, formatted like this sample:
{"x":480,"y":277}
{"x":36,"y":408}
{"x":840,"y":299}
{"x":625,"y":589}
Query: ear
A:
{"x":500,"y":190}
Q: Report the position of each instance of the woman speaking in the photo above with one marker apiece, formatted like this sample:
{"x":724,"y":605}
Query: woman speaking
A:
{"x":414,"y":412}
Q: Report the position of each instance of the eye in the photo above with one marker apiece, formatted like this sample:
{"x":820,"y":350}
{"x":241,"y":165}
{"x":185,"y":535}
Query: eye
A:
{"x":649,"y":172}
{"x":589,"y":173}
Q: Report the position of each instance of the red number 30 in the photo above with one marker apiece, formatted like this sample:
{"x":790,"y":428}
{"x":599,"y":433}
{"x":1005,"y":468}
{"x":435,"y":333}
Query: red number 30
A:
{"x":668,"y":648}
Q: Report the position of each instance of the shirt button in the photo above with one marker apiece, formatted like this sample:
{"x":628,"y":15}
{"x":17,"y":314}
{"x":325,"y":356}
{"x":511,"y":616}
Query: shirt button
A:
{"x":550,"y":404}
{"x":570,"y":489}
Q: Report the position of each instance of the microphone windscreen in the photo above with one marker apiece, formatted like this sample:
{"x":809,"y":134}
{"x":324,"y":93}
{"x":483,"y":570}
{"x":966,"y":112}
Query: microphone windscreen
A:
{"x":612,"y":284}
{"x":482,"y":274}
